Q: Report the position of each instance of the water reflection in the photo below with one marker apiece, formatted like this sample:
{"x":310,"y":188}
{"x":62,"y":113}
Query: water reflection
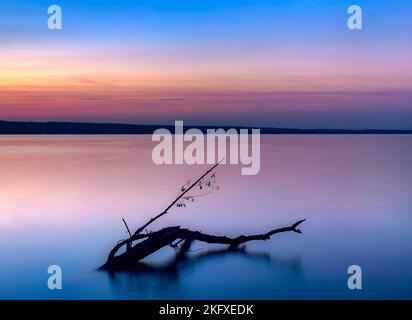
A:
{"x":165,"y":277}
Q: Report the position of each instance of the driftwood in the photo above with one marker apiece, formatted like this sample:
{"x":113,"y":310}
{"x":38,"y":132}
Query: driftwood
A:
{"x":150,"y":242}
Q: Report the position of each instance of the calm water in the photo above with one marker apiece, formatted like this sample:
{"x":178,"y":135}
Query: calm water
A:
{"x":62,"y":199}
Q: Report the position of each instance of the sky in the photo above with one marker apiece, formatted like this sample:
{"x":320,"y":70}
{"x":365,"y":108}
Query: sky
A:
{"x":279,"y":63}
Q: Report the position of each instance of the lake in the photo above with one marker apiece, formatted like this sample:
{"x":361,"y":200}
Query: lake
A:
{"x":62,"y":200}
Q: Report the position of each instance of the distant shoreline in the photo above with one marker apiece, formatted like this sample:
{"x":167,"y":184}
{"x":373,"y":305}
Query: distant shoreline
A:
{"x":83,"y":128}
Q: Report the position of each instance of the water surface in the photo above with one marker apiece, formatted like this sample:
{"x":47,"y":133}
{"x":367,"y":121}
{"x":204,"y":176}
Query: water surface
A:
{"x":62,"y":199}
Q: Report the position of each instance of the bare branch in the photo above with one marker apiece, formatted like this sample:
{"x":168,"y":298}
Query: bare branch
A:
{"x":173,"y":236}
{"x":165,"y":237}
{"x":128,"y":230}
{"x":177,"y":199}
{"x":241,"y":239}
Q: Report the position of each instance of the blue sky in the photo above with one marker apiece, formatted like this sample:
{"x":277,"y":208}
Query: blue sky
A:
{"x":283,"y":63}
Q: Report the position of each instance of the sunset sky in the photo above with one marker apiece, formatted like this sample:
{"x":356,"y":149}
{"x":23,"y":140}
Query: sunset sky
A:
{"x":283,"y":63}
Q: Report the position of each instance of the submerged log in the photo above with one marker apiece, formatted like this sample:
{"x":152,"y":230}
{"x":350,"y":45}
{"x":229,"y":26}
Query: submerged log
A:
{"x":151,"y":242}
{"x":165,"y":237}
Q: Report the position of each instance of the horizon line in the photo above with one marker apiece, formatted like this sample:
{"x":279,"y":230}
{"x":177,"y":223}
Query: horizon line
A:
{"x":265,"y":129}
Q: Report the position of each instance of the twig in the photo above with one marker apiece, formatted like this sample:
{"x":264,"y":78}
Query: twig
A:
{"x":177,"y":199}
{"x":128,"y":230}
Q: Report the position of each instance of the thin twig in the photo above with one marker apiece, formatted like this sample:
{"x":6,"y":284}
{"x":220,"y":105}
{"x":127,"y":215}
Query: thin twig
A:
{"x":177,"y":199}
{"x":128,"y":230}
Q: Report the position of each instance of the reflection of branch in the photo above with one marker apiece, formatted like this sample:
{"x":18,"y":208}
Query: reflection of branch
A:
{"x":290,"y":263}
{"x":181,"y":262}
